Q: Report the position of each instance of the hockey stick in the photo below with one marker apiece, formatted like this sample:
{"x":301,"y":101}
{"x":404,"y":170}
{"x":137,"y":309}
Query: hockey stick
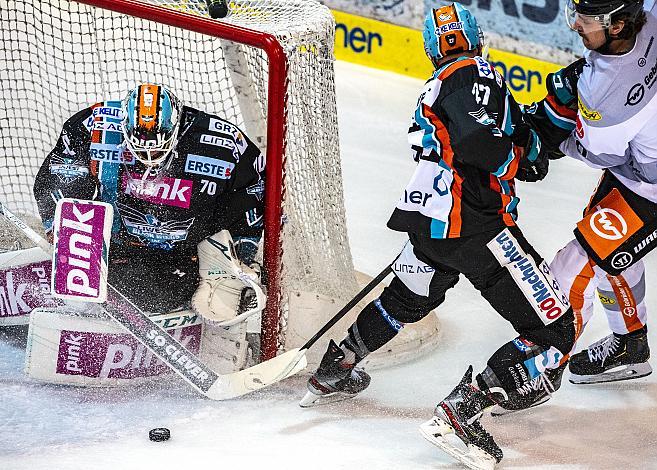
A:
{"x":298,"y":355}
{"x":168,"y":349}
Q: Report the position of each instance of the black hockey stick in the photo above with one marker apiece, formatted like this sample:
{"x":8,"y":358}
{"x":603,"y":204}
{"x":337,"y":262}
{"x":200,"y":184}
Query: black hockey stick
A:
{"x":168,"y":349}
{"x":298,"y":354}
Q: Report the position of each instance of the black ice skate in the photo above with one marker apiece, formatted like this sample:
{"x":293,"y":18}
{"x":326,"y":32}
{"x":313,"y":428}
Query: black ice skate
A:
{"x":536,"y":392}
{"x":334,"y":381}
{"x":459,"y":414}
{"x":616,"y":357}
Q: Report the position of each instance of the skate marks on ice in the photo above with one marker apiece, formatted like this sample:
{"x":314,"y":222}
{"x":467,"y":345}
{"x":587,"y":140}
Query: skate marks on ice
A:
{"x":605,"y":438}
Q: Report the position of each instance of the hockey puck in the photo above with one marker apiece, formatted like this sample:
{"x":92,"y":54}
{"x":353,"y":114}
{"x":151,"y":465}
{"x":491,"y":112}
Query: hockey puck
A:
{"x":159,"y":434}
{"x":217,"y":8}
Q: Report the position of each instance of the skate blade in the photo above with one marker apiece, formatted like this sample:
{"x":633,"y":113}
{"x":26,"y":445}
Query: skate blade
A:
{"x":498,"y":410}
{"x":474,"y":458}
{"x":627,"y":372}
{"x":310,"y":399}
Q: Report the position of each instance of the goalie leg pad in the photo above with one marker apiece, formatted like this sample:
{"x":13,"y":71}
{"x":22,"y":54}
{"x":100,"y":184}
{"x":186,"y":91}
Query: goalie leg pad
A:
{"x":70,"y":346}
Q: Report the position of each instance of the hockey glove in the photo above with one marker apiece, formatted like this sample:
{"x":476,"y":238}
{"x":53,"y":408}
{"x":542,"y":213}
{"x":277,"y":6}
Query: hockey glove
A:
{"x":562,"y":85}
{"x":228,"y":291}
{"x":534,"y":161}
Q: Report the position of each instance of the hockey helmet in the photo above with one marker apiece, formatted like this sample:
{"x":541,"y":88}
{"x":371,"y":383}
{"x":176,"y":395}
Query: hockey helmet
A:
{"x":151,"y":117}
{"x":593,"y":15}
{"x":450,"y":29}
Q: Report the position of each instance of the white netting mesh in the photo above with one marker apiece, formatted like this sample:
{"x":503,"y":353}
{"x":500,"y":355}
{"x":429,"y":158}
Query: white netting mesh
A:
{"x":57,"y":57}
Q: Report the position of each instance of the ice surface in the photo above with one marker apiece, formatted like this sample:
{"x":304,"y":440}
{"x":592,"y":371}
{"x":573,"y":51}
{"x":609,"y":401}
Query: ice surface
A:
{"x":596,"y":427}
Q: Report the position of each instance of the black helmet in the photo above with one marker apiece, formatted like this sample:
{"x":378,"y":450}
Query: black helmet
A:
{"x":599,"y":14}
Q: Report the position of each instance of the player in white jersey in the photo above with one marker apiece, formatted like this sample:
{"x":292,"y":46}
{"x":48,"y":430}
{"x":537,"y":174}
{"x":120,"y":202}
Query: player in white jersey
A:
{"x":609,"y":122}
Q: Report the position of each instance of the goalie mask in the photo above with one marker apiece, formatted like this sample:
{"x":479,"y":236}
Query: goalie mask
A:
{"x":151,"y":117}
{"x":450,"y":30}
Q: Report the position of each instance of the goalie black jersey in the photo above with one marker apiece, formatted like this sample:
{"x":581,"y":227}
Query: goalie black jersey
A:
{"x":214,"y":181}
{"x":461,"y":138}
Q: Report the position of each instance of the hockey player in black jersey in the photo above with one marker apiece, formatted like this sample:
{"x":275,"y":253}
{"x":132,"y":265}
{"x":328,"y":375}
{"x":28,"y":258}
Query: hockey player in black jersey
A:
{"x":470,"y":143}
{"x":178,"y":178}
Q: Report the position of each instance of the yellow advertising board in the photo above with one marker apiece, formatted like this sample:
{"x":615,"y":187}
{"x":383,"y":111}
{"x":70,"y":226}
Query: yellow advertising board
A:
{"x":398,"y":49}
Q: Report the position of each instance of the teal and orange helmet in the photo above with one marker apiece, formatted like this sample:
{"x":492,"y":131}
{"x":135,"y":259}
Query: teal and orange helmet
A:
{"x":151,"y":117}
{"x":450,"y":30}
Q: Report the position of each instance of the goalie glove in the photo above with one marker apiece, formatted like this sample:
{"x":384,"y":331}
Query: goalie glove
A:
{"x":229,"y":292}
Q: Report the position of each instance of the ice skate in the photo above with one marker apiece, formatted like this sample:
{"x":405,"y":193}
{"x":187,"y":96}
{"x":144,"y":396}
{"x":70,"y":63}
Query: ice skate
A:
{"x":459,"y":414}
{"x":616,"y":357}
{"x":334,"y":381}
{"x":536,"y":392}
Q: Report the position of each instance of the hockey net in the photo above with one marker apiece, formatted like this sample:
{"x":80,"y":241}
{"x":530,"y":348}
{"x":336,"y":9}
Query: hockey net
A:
{"x":267,"y":67}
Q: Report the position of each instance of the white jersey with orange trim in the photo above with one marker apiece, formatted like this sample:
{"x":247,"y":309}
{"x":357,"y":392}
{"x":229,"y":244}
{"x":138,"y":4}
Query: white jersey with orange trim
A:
{"x":617,"y":118}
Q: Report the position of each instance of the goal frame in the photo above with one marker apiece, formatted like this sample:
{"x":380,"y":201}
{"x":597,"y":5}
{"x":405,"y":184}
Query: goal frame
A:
{"x":276,"y":129}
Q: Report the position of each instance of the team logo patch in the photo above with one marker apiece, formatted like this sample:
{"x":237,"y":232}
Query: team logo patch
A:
{"x":537,"y":284}
{"x":208,"y":166}
{"x":153,"y":232}
{"x":67,"y":169}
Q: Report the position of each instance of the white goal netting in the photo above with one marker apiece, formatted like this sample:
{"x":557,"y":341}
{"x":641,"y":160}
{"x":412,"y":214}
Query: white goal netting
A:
{"x":58,"y":57}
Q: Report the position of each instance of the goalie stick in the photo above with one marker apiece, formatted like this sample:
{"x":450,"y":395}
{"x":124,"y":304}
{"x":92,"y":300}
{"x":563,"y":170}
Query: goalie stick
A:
{"x":207,"y":382}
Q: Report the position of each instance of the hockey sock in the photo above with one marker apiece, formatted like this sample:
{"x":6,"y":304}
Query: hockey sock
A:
{"x":373,"y":328}
{"x":510,"y":367}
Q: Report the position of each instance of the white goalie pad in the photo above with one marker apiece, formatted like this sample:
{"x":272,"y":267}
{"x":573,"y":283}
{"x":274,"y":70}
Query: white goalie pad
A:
{"x":24,"y":285}
{"x":229,"y":292}
{"x":73,"y":347}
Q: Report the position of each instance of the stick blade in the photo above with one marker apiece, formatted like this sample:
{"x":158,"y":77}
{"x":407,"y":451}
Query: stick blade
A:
{"x":257,"y":377}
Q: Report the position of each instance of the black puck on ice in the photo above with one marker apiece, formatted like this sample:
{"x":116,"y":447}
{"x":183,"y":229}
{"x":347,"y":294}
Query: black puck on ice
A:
{"x":159,"y":434}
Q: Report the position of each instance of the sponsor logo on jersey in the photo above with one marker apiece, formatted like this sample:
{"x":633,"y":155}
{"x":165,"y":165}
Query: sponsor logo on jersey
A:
{"x":608,"y":223}
{"x":484,"y":68}
{"x":624,"y":295}
{"x":588,"y":114}
{"x":579,"y":128}
{"x":622,"y":260}
{"x":151,"y":231}
{"x":651,"y":76}
{"x":107,"y":126}
{"x":105,"y":111}
{"x":645,"y":242}
{"x":606,"y":300}
{"x":111,"y":153}
{"x":237,"y":146}
{"x":535,"y":282}
{"x":164,"y":191}
{"x":642,"y":60}
{"x":523,"y":344}
{"x":209,"y":166}
{"x":416,"y":197}
{"x":635,"y":95}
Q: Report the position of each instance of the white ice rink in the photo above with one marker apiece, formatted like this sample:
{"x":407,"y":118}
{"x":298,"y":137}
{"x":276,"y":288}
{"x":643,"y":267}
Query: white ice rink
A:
{"x":597,"y":427}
